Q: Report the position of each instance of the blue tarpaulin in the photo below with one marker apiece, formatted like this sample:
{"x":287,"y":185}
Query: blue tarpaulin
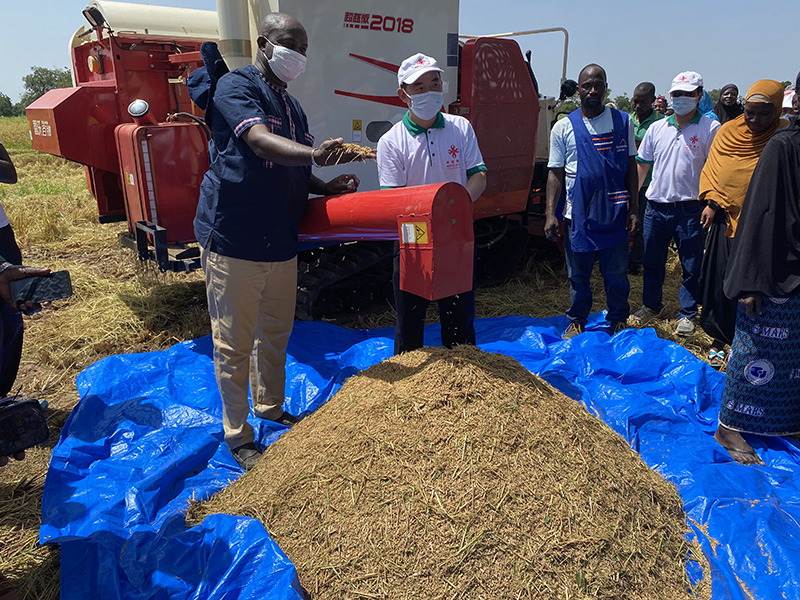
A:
{"x":146,"y":438}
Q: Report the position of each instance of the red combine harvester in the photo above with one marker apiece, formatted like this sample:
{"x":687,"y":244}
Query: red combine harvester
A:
{"x":130,"y":121}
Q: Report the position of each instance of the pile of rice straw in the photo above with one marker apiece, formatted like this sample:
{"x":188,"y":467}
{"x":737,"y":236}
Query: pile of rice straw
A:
{"x":458,"y":474}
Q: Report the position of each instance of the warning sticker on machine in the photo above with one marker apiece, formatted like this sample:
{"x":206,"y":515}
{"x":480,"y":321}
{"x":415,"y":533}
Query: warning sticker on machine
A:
{"x":414,"y":233}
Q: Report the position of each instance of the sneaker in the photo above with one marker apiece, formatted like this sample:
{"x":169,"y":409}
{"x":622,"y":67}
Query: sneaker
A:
{"x":642,"y":316}
{"x":616,"y":327}
{"x":246,"y":455}
{"x":574,"y":329}
{"x":685,"y":326}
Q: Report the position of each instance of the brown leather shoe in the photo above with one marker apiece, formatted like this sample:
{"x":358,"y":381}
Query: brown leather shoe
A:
{"x":574,"y":329}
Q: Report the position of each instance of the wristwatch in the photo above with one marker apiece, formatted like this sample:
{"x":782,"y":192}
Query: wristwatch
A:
{"x":5,"y":265}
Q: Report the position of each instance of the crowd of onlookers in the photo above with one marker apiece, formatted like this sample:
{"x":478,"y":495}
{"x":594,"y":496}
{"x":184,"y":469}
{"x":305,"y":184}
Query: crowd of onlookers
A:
{"x":720,"y":182}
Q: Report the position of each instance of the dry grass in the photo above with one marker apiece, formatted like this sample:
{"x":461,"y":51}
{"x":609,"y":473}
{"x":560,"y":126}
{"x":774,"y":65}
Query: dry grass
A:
{"x":120,"y":307}
{"x":458,"y":474}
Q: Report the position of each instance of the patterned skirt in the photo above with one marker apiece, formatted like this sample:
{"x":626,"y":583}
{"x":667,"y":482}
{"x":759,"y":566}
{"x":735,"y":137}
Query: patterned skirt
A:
{"x":762,"y":384}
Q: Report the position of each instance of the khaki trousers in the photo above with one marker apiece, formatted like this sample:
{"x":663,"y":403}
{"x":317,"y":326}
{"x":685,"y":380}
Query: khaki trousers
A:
{"x":251,"y":305}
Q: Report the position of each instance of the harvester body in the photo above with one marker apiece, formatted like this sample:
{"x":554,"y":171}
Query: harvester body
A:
{"x":147,"y":167}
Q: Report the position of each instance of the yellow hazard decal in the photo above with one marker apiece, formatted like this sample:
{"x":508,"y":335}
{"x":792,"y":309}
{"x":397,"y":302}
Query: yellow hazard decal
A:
{"x":356,"y":124}
{"x":414,"y":233}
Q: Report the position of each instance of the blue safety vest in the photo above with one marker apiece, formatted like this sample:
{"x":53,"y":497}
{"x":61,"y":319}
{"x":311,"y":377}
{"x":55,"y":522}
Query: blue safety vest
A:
{"x":599,"y":197}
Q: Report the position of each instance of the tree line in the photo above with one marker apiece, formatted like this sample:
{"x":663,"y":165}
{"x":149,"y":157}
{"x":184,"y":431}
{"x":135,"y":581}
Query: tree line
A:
{"x":40,"y":81}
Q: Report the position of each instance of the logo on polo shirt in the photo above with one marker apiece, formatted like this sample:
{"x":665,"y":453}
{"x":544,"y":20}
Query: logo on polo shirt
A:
{"x":453,"y":163}
{"x":759,"y":372}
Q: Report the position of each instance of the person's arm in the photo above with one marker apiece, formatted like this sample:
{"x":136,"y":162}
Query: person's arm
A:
{"x":473,"y":161}
{"x":476,"y":184}
{"x":708,"y":214}
{"x":343,"y":184}
{"x":632,"y":185}
{"x":8,"y":174}
{"x":286,"y":152}
{"x":751,"y":303}
{"x":12,"y":273}
{"x":642,"y":169}
{"x":555,"y":185}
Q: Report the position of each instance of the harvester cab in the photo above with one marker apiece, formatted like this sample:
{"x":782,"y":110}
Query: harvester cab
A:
{"x":130,"y":122}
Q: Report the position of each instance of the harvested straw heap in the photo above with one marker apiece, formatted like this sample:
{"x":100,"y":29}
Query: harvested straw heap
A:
{"x":458,"y":474}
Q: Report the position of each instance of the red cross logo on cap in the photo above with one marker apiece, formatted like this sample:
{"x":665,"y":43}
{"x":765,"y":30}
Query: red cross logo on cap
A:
{"x":421,"y":61}
{"x":453,"y":151}
{"x":682,"y":78}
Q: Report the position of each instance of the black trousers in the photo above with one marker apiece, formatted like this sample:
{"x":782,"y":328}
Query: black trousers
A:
{"x":456,"y":313}
{"x":637,"y":245}
{"x":10,"y":321}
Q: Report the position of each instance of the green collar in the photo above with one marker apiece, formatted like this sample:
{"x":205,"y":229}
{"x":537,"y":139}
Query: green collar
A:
{"x":695,"y":119}
{"x":654,"y":116}
{"x":415,"y":129}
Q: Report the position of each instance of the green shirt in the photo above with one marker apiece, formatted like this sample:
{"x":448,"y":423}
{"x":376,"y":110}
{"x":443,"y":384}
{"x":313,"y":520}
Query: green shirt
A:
{"x":639,"y":130}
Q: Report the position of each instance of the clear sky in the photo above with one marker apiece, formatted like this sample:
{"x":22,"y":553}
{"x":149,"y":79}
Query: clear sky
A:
{"x":733,"y":41}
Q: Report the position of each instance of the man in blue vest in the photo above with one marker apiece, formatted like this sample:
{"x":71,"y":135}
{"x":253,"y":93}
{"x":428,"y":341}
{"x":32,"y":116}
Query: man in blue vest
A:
{"x":592,"y":155}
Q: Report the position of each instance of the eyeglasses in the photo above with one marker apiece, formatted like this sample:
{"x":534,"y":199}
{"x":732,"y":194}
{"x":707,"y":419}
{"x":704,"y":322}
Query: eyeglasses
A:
{"x":680,"y":94}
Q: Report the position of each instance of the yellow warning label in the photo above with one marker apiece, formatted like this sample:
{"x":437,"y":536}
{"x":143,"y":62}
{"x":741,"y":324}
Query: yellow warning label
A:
{"x":356,"y":124}
{"x":414,"y":233}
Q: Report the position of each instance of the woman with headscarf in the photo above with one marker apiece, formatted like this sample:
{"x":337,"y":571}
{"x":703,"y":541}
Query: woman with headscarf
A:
{"x":706,"y":106}
{"x":762,"y":383}
{"x":723,"y":185}
{"x":727,"y":107}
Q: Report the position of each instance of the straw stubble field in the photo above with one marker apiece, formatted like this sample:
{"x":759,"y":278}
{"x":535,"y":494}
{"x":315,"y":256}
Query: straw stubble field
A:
{"x":120,"y":307}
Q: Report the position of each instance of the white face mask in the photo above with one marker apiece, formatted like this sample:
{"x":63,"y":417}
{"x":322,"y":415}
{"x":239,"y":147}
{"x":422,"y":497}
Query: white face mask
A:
{"x":683,"y":105}
{"x":426,"y":105}
{"x":286,"y":64}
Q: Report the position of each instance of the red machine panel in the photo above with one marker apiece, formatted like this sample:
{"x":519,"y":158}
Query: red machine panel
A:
{"x":162,"y":167}
{"x":497,"y":95}
{"x":78,"y":124}
{"x":433,"y":222}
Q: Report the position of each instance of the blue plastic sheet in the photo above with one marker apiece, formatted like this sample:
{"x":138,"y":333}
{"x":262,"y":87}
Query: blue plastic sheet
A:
{"x":146,"y":438}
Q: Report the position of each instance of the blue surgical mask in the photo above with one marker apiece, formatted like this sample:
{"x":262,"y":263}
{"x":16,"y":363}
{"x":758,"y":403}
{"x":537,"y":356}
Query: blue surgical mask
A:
{"x":426,"y":105}
{"x":683,"y":105}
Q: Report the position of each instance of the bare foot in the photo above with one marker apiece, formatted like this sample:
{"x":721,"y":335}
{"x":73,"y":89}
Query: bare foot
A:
{"x":734,"y":443}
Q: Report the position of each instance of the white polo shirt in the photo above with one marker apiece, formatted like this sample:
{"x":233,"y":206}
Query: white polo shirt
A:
{"x":678,"y":156}
{"x":564,"y":153}
{"x":410,"y":155}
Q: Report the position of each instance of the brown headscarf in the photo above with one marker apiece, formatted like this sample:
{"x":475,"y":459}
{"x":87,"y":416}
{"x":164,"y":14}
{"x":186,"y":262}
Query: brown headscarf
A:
{"x":734,"y":155}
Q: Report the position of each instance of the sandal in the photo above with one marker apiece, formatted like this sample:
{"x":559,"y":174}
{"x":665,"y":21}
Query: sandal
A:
{"x":716,"y":358}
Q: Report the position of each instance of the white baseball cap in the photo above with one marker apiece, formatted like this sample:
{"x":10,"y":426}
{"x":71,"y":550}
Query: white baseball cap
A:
{"x":415,"y":66}
{"x":688,"y":81}
{"x":788,"y":96}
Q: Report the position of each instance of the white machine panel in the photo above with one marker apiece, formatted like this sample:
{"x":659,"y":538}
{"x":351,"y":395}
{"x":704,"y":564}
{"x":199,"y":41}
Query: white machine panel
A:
{"x":382,"y":32}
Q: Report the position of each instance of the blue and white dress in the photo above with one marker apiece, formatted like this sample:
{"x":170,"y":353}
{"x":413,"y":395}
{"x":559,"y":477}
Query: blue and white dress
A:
{"x":762,"y":387}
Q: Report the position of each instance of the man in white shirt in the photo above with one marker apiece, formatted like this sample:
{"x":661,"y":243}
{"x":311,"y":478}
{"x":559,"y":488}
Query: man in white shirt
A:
{"x":592,"y":151}
{"x":425,"y":147}
{"x":677,"y":148}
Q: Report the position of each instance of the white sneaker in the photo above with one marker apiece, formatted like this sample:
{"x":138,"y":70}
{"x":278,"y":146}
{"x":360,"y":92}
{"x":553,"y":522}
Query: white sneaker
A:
{"x":642,"y":316}
{"x":685,"y":326}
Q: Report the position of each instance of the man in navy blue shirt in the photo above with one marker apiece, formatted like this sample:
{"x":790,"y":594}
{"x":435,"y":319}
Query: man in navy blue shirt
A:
{"x":251,"y":202}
